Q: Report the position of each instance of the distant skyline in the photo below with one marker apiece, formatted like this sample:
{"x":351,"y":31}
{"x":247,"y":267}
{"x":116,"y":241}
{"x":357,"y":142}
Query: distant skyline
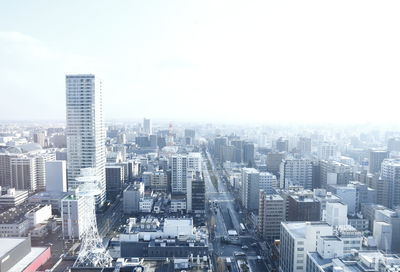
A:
{"x":212,"y":61}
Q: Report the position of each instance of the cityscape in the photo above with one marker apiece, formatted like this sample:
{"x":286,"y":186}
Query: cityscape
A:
{"x":194,"y":182}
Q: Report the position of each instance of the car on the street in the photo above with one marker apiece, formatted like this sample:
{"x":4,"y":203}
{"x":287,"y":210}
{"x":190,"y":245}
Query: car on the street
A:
{"x":245,"y":247}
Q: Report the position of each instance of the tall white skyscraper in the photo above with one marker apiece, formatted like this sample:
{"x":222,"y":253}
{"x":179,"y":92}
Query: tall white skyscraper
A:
{"x":85,"y":129}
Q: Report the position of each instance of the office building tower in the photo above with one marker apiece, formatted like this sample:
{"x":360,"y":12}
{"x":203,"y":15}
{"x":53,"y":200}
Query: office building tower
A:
{"x":159,"y":180}
{"x":303,"y":208}
{"x":132,"y":196}
{"x":304,"y":146}
{"x":274,"y":161}
{"x":248,"y":154}
{"x":390,"y":173}
{"x":39,"y":138}
{"x":250,"y":188}
{"x":219,"y":144}
{"x":368,"y":212}
{"x":391,"y":217}
{"x":268,"y":182}
{"x":147,"y":128}
{"x":85,"y":130}
{"x":271,"y":212}
{"x":324,"y":198}
{"x":56,"y":176}
{"x":72,"y":213}
{"x":198,"y":197}
{"x":190,"y":133}
{"x":153,"y":141}
{"x":375,"y":160}
{"x":316,"y":175}
{"x":328,"y":151}
{"x":121,"y":139}
{"x":282,"y":145}
{"x":190,"y":136}
{"x":237,"y":150}
{"x":297,"y":239}
{"x":348,"y":194}
{"x":296,"y":172}
{"x":146,"y":178}
{"x":393,"y":144}
{"x":194,"y":162}
{"x":333,"y":172}
{"x":179,"y":174}
{"x":383,"y":235}
{"x":114,"y":181}
{"x":228,"y":153}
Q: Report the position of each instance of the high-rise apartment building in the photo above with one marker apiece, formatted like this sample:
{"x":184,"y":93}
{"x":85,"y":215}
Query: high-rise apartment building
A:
{"x":376,"y":158}
{"x":5,"y":169}
{"x":296,"y":172}
{"x":390,"y":173}
{"x":179,"y":174}
{"x":40,"y":160}
{"x":85,"y":129}
{"x":274,"y":161}
{"x":23,"y":173}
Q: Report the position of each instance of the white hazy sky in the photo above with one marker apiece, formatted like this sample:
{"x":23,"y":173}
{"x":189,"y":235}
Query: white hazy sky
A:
{"x":250,"y":61}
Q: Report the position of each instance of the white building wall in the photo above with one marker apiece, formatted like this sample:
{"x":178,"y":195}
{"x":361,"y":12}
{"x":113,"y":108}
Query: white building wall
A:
{"x":336,"y":214}
{"x":56,"y":176}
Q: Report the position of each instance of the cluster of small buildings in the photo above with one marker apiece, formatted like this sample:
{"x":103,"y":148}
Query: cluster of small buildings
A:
{"x":163,"y":238}
{"x":317,"y":209}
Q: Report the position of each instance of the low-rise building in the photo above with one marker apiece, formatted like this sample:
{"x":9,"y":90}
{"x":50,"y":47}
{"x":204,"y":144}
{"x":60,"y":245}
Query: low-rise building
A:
{"x":360,"y":261}
{"x":13,"y":198}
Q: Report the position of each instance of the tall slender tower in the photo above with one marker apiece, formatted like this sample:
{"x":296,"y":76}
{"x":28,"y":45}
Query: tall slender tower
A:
{"x":85,"y":130}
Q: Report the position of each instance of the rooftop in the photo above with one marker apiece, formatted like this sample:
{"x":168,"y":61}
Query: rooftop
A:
{"x":28,"y":259}
{"x":8,"y":244}
{"x":298,"y":229}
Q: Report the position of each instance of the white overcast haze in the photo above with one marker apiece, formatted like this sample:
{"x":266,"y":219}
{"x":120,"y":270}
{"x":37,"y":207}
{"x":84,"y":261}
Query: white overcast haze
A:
{"x":247,"y":61}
